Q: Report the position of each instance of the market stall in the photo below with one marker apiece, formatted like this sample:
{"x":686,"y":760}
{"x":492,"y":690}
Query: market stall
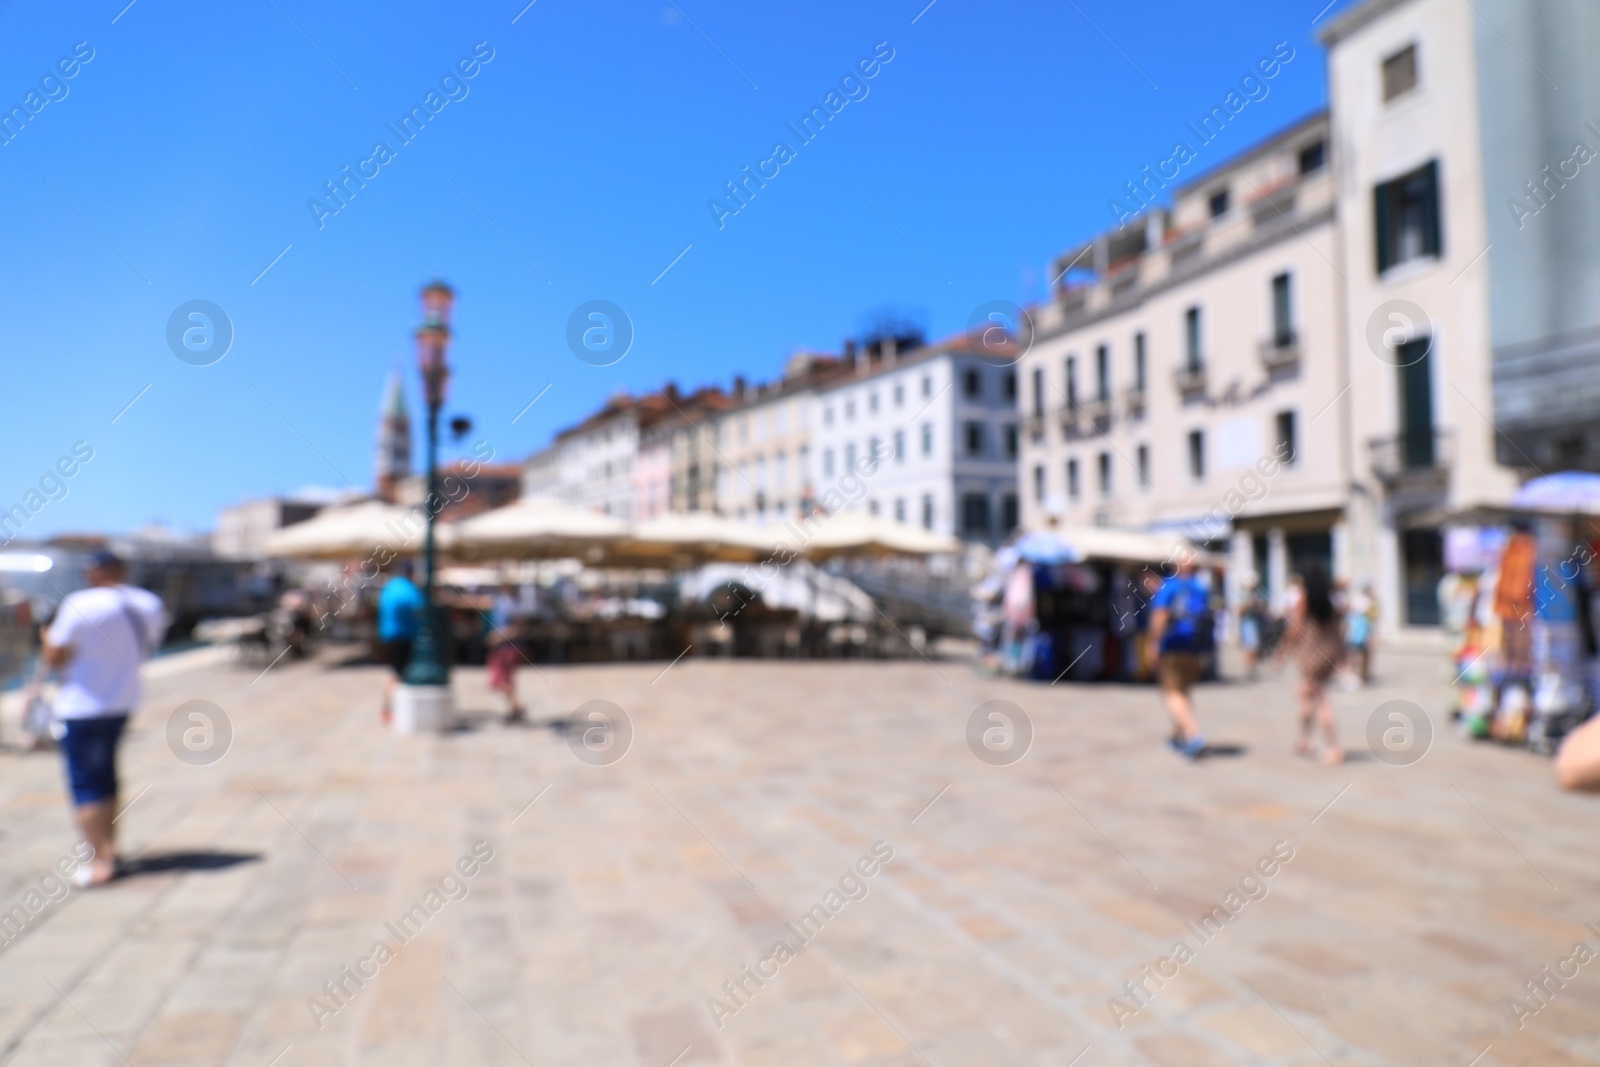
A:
{"x":1073,"y":603}
{"x":1519,"y":601}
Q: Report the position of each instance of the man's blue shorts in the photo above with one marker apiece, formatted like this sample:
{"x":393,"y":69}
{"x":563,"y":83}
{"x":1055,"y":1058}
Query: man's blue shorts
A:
{"x":90,"y":749}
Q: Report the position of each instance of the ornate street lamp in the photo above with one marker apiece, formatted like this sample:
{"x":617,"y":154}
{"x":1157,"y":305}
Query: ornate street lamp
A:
{"x":427,"y":666}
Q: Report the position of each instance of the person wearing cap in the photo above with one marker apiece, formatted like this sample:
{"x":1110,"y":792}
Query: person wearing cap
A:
{"x":98,"y":639}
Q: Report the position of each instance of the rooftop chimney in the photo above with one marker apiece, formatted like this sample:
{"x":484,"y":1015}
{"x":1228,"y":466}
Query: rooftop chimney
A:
{"x":891,"y":352}
{"x":738,"y":385}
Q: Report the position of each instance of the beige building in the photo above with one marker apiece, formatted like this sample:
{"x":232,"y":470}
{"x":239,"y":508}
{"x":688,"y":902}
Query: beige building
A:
{"x":1466,"y":132}
{"x":1189,"y":373}
{"x":765,"y":471}
{"x":1402,"y":294}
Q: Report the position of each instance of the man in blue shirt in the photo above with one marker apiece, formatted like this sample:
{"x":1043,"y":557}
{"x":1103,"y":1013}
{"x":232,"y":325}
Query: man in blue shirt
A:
{"x":1179,"y":611}
{"x":399,"y":614}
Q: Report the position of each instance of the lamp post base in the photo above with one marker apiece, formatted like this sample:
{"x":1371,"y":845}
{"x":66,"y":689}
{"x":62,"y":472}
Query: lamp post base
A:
{"x":423,"y":709}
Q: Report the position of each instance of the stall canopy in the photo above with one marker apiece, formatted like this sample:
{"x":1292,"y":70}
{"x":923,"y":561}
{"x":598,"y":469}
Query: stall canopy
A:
{"x":356,"y":531}
{"x":537,"y":528}
{"x":1566,"y":493}
{"x":855,"y":533}
{"x":1077,"y":544}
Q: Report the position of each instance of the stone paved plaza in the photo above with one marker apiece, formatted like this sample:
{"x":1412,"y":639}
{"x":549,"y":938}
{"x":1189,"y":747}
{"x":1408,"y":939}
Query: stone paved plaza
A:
{"x":618,"y":899}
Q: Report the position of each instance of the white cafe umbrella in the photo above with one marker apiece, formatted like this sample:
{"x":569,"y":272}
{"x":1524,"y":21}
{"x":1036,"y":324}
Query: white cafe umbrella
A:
{"x":681,"y":539}
{"x":356,"y":531}
{"x":856,"y":533}
{"x":536,"y":527}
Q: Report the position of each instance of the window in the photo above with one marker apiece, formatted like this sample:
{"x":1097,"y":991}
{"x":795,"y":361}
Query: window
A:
{"x":1288,"y":451}
{"x":1218,"y":203}
{"x":1104,"y":463}
{"x":872,"y":506}
{"x":849,"y":458}
{"x":1038,"y":392}
{"x":827,"y":415}
{"x":1102,"y":372}
{"x":849,"y":410}
{"x":1011,"y":441}
{"x":975,"y":513}
{"x":872,"y":453}
{"x":1072,"y":479}
{"x":900,"y":445}
{"x":872,"y":403}
{"x":927,"y":385}
{"x":1191,"y":339}
{"x":1406,"y":213}
{"x":1008,"y":388}
{"x":1197,"y":455}
{"x":1009,"y":513}
{"x":1142,"y":457}
{"x":899,"y":394}
{"x":1038,"y":482}
{"x":1138,"y":362}
{"x":1400,"y":73}
{"x":899,"y":509}
{"x":1282,"y":313}
{"x":1072,"y":382}
{"x":972,"y":383}
{"x":974,"y":438}
{"x":927,"y":439}
{"x":927,"y":511}
{"x":1313,"y":156}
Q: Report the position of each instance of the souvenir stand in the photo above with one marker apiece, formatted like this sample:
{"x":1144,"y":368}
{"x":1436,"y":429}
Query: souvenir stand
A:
{"x":1073,"y":603}
{"x":1520,"y":607}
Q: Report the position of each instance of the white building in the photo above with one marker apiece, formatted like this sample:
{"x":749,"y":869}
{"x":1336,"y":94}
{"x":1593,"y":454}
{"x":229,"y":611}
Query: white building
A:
{"x":1189,"y":375}
{"x":241,"y":529}
{"x":1403,"y":294}
{"x":591,"y":464}
{"x":943,"y":419}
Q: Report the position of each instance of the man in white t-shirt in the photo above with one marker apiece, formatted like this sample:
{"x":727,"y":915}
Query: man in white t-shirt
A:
{"x":100,"y":636}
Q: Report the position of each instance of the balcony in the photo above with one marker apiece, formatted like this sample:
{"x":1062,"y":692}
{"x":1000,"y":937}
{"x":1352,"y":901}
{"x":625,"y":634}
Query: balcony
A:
{"x":1190,"y":377}
{"x":1033,"y":426}
{"x":1411,"y":459}
{"x":1097,"y":409}
{"x":1133,"y":401}
{"x":1280,"y":353}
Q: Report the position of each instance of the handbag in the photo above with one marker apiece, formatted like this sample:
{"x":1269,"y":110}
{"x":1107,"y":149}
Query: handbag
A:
{"x":38,"y":722}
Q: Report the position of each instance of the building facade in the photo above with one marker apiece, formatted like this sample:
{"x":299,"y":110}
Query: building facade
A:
{"x":591,"y":464}
{"x":941,"y":421}
{"x":1189,"y":376}
{"x":764,"y":469}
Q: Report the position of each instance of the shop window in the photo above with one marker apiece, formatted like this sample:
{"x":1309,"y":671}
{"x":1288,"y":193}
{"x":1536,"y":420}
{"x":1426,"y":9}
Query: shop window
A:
{"x":1423,"y":552}
{"x":975,"y":513}
{"x":1010,"y":514}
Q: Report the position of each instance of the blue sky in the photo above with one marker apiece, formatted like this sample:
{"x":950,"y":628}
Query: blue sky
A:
{"x":579,"y":163}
